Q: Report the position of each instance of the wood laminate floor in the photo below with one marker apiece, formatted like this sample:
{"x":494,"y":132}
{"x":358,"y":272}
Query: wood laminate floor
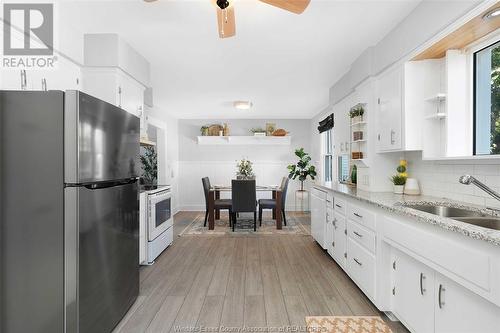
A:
{"x":241,"y":281}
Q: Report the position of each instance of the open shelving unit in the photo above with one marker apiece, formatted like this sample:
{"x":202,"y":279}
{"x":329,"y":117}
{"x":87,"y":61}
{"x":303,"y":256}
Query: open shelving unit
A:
{"x":359,"y":145}
{"x":245,"y":140}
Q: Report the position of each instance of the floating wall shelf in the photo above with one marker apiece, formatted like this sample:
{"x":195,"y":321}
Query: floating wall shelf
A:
{"x":245,"y":140}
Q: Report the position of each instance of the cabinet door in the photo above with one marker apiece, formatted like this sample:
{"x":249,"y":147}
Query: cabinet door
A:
{"x":458,"y":310}
{"x":318,"y":216}
{"x":390,"y":111}
{"x":328,"y":244}
{"x":130,"y":94}
{"x":413,"y":293}
{"x":339,"y":240}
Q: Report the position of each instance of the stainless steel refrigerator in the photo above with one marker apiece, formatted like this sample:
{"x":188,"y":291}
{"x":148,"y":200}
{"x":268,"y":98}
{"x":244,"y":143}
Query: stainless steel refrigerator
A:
{"x":69,"y":212}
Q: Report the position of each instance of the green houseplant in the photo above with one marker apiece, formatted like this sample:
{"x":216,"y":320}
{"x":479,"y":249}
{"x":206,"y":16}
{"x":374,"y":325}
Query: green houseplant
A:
{"x":149,"y":165}
{"x":356,"y":113}
{"x":302,"y":169}
{"x":399,"y":182}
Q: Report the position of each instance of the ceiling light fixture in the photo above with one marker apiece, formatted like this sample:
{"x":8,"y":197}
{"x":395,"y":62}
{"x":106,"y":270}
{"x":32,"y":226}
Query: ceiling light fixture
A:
{"x":243,"y":105}
{"x":492,"y":13}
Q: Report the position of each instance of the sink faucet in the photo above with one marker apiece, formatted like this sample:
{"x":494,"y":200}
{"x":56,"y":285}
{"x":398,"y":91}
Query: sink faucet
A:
{"x":468,"y":179}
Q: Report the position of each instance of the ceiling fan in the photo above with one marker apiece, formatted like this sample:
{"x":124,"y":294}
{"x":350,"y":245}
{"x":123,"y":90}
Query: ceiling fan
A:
{"x":225,"y":12}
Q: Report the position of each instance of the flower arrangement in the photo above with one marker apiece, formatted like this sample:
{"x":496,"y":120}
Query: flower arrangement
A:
{"x":244,"y":169}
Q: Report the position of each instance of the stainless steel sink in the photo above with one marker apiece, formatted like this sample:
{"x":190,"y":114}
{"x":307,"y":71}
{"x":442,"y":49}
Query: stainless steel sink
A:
{"x":485,"y":222}
{"x":444,"y":211}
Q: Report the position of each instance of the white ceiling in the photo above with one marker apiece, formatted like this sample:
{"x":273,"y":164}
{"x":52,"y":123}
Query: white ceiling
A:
{"x":284,"y":63}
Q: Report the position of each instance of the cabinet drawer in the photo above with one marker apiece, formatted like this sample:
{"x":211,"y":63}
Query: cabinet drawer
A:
{"x":361,"y":215}
{"x":339,"y":205}
{"x":361,"y":267}
{"x":361,"y":235}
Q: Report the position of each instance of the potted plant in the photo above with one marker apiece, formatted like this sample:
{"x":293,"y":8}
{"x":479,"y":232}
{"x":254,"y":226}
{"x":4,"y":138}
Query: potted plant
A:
{"x":356,"y":113}
{"x":149,"y":166}
{"x":399,"y":182}
{"x":204,"y":130}
{"x":302,"y":169}
{"x":258,"y":131}
{"x":244,"y":169}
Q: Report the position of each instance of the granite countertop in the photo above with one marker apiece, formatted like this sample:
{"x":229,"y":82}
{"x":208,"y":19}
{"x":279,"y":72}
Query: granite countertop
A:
{"x":396,"y":203}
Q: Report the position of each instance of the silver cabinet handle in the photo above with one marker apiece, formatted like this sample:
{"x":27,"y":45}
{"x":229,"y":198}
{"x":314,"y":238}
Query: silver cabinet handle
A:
{"x":393,"y":140}
{"x":339,"y":206}
{"x":360,"y":216}
{"x":44,"y":84}
{"x":357,"y":262}
{"x":334,"y":223}
{"x":345,"y":231}
{"x":422,"y":289}
{"x":357,"y":234}
{"x":440,"y":294}
{"x":333,"y":244}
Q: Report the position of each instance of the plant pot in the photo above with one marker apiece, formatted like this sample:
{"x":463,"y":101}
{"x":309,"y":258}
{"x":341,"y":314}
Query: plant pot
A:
{"x":242,"y":177}
{"x":399,"y":189}
{"x":357,"y":119}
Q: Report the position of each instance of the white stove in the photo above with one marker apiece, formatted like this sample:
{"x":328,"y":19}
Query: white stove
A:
{"x":156,"y":223}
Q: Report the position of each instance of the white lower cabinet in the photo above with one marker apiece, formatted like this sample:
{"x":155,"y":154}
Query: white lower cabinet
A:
{"x":328,"y":241}
{"x":318,"y":215}
{"x":361,"y":267}
{"x":413,"y":293}
{"x":458,"y":310}
{"x":339,"y":240}
{"x":426,"y":301}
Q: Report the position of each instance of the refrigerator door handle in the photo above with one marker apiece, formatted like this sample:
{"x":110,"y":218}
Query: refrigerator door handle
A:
{"x":101,"y":185}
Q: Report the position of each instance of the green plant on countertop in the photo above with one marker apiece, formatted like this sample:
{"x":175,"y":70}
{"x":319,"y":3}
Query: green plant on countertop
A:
{"x":244,"y":169}
{"x":302,"y":169}
{"x":149,"y":165}
{"x":357,"y":111}
{"x":398,"y":180}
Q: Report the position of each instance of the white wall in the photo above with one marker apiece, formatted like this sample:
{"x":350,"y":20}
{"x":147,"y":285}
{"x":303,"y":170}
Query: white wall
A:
{"x":219,"y":162}
{"x":440,"y":178}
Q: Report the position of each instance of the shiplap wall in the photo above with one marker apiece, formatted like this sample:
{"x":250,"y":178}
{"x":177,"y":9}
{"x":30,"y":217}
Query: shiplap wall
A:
{"x":219,"y":162}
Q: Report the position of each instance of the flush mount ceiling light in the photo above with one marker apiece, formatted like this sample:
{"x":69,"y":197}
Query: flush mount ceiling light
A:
{"x":243,"y":105}
{"x":492,"y":13}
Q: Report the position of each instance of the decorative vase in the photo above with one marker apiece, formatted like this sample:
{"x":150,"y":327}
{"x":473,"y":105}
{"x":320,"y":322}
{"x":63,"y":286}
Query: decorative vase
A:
{"x":301,"y":200}
{"x":243,"y":177}
{"x":399,"y":189}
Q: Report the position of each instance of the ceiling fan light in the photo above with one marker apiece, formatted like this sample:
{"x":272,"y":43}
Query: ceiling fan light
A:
{"x":492,"y":14}
{"x":243,"y":105}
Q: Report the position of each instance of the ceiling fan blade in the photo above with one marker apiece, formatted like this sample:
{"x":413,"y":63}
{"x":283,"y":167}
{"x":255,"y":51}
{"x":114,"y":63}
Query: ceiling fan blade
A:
{"x":226,"y":22}
{"x":294,"y":6}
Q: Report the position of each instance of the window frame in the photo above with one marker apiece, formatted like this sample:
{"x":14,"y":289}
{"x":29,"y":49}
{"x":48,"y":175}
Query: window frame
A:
{"x":327,"y":150}
{"x":473,"y":51}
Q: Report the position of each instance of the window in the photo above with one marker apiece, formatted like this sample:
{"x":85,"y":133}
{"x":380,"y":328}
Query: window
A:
{"x":327,"y":152}
{"x":343,"y":165}
{"x":487,"y":100}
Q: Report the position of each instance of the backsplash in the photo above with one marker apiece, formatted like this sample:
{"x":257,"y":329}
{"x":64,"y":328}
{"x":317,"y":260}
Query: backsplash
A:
{"x":440,"y":178}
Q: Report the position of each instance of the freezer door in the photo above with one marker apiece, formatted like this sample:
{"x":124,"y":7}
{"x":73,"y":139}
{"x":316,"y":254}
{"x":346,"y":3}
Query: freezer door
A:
{"x":31,"y":212}
{"x":108,"y":243}
{"x":101,"y":140}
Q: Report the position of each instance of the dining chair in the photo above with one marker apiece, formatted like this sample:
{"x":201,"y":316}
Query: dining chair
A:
{"x":271,"y":203}
{"x":218,"y":203}
{"x":244,"y":199}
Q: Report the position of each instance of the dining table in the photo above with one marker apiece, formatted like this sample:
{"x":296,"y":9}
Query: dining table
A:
{"x":214,"y":194}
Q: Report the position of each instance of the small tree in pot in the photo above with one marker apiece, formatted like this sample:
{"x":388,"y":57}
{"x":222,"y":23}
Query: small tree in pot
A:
{"x":302,"y":169}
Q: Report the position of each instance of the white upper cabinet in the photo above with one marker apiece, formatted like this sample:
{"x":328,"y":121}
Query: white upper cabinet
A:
{"x":390,"y":111}
{"x":402,"y":95}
